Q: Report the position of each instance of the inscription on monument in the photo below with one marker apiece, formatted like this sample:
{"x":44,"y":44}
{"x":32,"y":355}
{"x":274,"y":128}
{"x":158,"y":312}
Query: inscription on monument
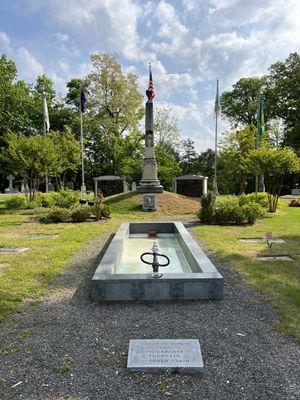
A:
{"x":159,"y":354}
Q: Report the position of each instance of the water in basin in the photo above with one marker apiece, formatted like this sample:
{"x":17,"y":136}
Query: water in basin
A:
{"x":168,"y":244}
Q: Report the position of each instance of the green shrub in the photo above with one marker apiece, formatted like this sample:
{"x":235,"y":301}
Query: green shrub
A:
{"x":253,"y":211}
{"x":63,"y":199}
{"x":47,"y":200}
{"x":228,"y":200}
{"x":16,"y":202}
{"x":105,"y":212}
{"x":55,"y":215}
{"x":258,"y":198}
{"x":207,"y":210}
{"x":208,"y":201}
{"x":80,"y":214}
{"x":97,"y":210}
{"x":228,"y":213}
{"x":207,"y":215}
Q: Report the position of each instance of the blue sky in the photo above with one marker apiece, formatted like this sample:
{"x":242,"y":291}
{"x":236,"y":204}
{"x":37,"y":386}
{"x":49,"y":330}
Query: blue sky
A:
{"x":190,"y":43}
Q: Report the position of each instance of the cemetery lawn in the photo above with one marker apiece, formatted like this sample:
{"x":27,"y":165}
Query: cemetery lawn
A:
{"x":26,"y":276}
{"x":279,"y":281}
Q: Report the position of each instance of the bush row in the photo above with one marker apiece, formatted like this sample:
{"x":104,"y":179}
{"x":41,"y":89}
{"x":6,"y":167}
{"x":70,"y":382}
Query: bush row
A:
{"x":63,"y":199}
{"x":231,"y":210}
{"x":77,"y":214}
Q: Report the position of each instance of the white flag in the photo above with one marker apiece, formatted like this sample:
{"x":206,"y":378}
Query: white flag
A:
{"x":217,"y":101}
{"x":46,"y":114}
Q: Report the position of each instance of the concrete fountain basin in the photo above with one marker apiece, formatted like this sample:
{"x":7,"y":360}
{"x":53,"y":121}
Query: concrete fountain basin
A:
{"x":122,"y":276}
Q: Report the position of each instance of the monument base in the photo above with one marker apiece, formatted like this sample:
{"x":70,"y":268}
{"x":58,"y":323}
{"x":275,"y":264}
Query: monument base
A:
{"x":150,"y":186}
{"x":149,"y":202}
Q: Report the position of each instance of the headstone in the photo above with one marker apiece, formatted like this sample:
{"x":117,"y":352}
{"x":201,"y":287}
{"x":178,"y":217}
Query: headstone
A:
{"x":22,"y":187}
{"x":50,"y":187}
{"x":155,"y":355}
{"x":149,"y":202}
{"x":295,"y":191}
{"x":125,"y":186}
{"x":133,"y":187}
{"x":10,"y":188}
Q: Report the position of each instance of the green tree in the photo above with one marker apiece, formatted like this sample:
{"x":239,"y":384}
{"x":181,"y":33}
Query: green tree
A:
{"x":240,"y":104}
{"x":188,"y":157}
{"x":73,"y":95}
{"x":31,"y":157}
{"x":67,"y":155}
{"x":204,"y":164}
{"x":234,"y":151}
{"x":15,"y":101}
{"x":285,"y":91}
{"x":114,"y":105}
{"x":274,"y":165}
{"x":168,"y":165}
{"x":167,"y":132}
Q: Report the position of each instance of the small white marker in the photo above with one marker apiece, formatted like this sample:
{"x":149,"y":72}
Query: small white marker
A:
{"x":16,"y":384}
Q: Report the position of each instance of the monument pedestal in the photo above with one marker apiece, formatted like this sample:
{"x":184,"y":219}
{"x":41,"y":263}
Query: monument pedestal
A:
{"x":149,"y":182}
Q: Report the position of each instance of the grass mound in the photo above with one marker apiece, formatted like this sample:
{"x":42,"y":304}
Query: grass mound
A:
{"x":167,"y":203}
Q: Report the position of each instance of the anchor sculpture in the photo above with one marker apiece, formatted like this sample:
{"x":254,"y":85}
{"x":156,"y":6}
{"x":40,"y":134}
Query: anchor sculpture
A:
{"x":155,"y":264}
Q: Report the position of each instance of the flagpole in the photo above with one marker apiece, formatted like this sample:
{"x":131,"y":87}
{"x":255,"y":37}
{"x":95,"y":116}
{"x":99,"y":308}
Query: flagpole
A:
{"x":45,"y":132}
{"x":215,"y":183}
{"x":259,"y":180}
{"x":83,"y":189}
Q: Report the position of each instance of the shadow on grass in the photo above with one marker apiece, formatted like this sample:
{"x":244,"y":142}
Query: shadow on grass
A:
{"x":119,"y":197}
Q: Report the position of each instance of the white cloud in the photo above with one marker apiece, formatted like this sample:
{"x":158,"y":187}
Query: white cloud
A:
{"x":62,"y":37}
{"x":109,"y":23}
{"x":64,"y":65}
{"x":4,"y":39}
{"x":30,"y":66}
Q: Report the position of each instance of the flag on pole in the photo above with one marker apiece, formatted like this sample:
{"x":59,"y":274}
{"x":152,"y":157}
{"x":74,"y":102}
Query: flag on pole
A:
{"x":260,"y":117}
{"x":46,"y":115}
{"x":82,"y":100}
{"x":217,"y":101}
{"x":151,"y":91}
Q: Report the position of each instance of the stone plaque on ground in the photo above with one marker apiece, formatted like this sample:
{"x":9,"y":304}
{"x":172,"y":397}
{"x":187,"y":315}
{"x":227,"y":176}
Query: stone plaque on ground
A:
{"x":13,"y":249}
{"x":154,"y":355}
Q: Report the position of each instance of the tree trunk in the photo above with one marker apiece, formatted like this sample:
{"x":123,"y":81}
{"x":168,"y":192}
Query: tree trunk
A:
{"x":242,"y":183}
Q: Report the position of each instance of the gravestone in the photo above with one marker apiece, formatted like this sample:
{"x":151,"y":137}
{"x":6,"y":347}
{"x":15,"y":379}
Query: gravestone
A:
{"x":133,"y":187}
{"x":155,"y":355}
{"x":126,"y":186}
{"x":10,"y":188}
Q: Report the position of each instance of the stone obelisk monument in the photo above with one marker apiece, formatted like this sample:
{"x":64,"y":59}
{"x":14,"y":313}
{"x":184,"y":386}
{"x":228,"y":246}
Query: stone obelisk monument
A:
{"x":149,"y":184}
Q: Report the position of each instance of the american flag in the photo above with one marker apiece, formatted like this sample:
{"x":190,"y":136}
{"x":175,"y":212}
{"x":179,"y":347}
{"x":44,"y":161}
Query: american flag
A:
{"x":151,"y":90}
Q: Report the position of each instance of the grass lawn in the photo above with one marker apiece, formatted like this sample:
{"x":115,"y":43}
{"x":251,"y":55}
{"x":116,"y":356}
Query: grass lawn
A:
{"x":25,"y":276}
{"x":279,"y":281}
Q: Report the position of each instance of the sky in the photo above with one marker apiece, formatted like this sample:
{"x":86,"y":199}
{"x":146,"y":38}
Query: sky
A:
{"x":189,"y":44}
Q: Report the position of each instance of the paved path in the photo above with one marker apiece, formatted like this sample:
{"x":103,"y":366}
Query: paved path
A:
{"x":70,"y":348}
